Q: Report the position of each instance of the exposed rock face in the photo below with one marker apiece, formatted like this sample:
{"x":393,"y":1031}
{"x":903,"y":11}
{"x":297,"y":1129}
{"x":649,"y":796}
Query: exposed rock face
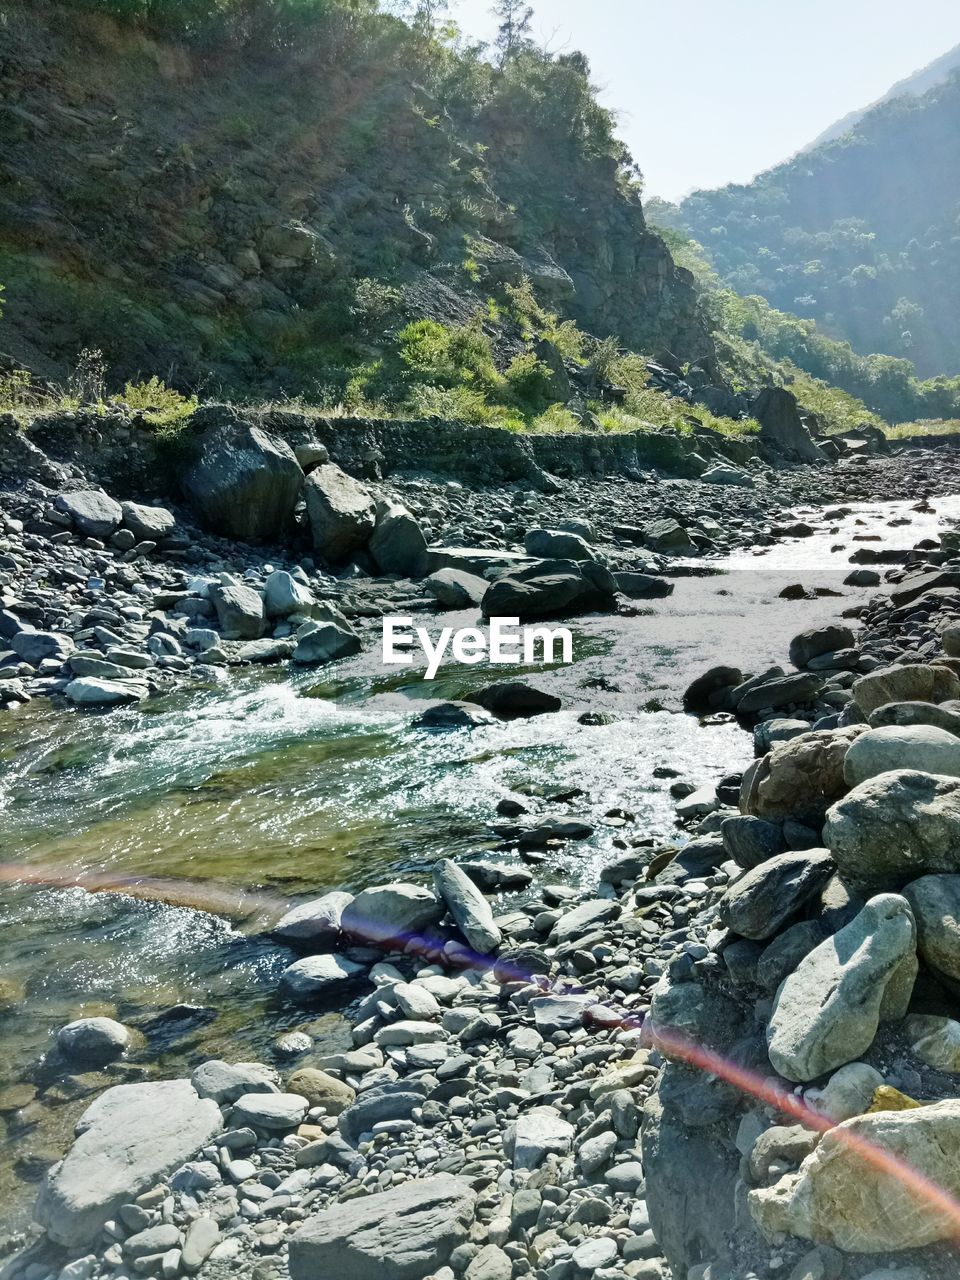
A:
{"x":243,"y":481}
{"x":936,"y":907}
{"x":905,"y":684}
{"x":859,"y":1205}
{"x":781,"y":425}
{"x":401,"y":1234}
{"x":896,"y":827}
{"x":917,"y":746}
{"x":828,"y":1011}
{"x":800,"y":778}
{"x":130,"y":1137}
{"x":341,"y":512}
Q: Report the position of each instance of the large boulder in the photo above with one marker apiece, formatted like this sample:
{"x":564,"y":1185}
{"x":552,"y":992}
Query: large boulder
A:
{"x":397,"y":543}
{"x":239,"y":609}
{"x":130,"y":1138}
{"x":515,"y":698}
{"x":341,"y":512}
{"x":781,"y":691}
{"x":813,"y":644}
{"x":93,"y":512}
{"x":325,"y":642}
{"x":93,"y":692}
{"x":93,"y":1039}
{"x":710,"y":690}
{"x":391,"y":913}
{"x":867,"y":1203}
{"x":909,"y":713}
{"x":148,"y":524}
{"x":668,"y":535}
{"x":283,"y":595}
{"x":468,"y":906}
{"x":800,"y":778}
{"x":935,"y":901}
{"x":915,"y":683}
{"x":557,"y":544}
{"x":405,"y":1233}
{"x":39,"y":646}
{"x":895,"y":827}
{"x":915,"y":746}
{"x":762,"y":901}
{"x":550,"y":589}
{"x":456,"y":589}
{"x":243,"y":482}
{"x":315,"y":977}
{"x":781,"y":426}
{"x":315,"y":923}
{"x":828,"y":1011}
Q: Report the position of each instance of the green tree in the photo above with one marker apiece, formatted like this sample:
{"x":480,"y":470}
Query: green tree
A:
{"x":513,"y":34}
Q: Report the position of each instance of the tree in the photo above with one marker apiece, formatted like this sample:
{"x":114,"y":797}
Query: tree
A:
{"x":513,"y":34}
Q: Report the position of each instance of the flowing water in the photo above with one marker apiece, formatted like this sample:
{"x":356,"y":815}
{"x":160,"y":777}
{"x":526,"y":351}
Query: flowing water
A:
{"x":215,"y":806}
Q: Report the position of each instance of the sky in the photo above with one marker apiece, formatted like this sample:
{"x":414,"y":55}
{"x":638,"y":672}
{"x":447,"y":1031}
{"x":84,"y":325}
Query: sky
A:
{"x":708,"y":92}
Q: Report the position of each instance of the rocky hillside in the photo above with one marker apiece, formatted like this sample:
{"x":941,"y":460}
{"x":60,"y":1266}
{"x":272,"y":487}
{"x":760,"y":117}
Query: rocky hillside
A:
{"x":255,"y":213}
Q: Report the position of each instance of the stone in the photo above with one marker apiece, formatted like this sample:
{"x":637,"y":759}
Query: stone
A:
{"x":781,"y":426}
{"x":849,"y":1092}
{"x":514,"y":698}
{"x":340,"y":510}
{"x":908,"y":713}
{"x":799,"y":779}
{"x":667,"y":534}
{"x":317,"y":976}
{"x":151,"y":1241}
{"x":242,"y":481}
{"x":863,"y":1205}
{"x":896,"y":827}
{"x":553,"y":544}
{"x":935,"y":901}
{"x":468,"y":906}
{"x":454,"y":715}
{"x":376,"y":1103}
{"x":148,"y":524}
{"x":321,"y":1090}
{"x":284,"y":595}
{"x":702,"y":694}
{"x":905,"y":684}
{"x":225,"y":1082}
{"x":725,"y":474}
{"x":763,"y":900}
{"x":491,"y":1263}
{"x":397,"y":544}
{"x":391,"y":913}
{"x":94,"y":513}
{"x":91,"y":692}
{"x":315,"y":923}
{"x":918,"y":746}
{"x":404,"y":1233}
{"x":536,"y":1134}
{"x":456,"y":589}
{"x":812,"y":644}
{"x":750,"y":841}
{"x":780,"y":692}
{"x":326,"y":642}
{"x":828,"y":1011}
{"x":642,"y":586}
{"x":550,"y":589}
{"x":38,"y":646}
{"x":935,"y":1041}
{"x":203,"y":1235}
{"x":278,"y":1112}
{"x":93,"y":1039}
{"x":782,"y":955}
{"x":130,"y":1137}
{"x":239,"y":610}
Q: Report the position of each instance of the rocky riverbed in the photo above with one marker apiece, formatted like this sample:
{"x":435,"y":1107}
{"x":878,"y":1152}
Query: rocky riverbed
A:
{"x":600,"y":990}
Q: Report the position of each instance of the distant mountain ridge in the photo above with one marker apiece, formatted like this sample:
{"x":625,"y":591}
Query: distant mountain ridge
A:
{"x":912,"y":86}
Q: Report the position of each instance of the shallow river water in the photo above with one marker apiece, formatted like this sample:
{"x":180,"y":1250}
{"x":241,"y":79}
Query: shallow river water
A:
{"x":222,"y":803}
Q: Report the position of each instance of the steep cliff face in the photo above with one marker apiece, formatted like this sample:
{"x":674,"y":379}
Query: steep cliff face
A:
{"x":207,"y":215}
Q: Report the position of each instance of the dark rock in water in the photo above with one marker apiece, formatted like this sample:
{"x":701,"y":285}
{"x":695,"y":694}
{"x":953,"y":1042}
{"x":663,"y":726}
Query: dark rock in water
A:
{"x":561,"y":829}
{"x":550,"y":589}
{"x":701,"y":694}
{"x":515,"y":698}
{"x":781,"y":426}
{"x":811,"y":644}
{"x":750,"y":841}
{"x":243,"y":481}
{"x":453,"y":715}
{"x":800,"y":688}
{"x":642,"y":586}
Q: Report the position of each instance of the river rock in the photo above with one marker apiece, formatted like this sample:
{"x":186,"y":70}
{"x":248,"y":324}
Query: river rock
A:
{"x":895,"y":827}
{"x":129,"y":1138}
{"x":553,"y":544}
{"x":762,"y":901}
{"x":405,"y":1233}
{"x":667,"y":534}
{"x":750,"y":841}
{"x":781,"y":692}
{"x":849,"y":1092}
{"x":316,"y":976}
{"x":38,"y":646}
{"x":915,"y":683}
{"x":272,"y":1111}
{"x":917,"y":746}
{"x":935,"y":901}
{"x":225,"y":1082}
{"x":706,"y":692}
{"x":93,"y":1039}
{"x":642,"y":586}
{"x":860,"y":1205}
{"x":724,"y":473}
{"x":92,"y":511}
{"x":908,"y":713}
{"x":242,"y":482}
{"x":321,"y":1090}
{"x":454,"y":715}
{"x":800,"y":778}
{"x":395,"y":1100}
{"x":456,"y":589}
{"x":781,"y":426}
{"x":821,"y":640}
{"x":91,"y":692}
{"x":201,"y":1239}
{"x":397,"y":544}
{"x":341,"y":512}
{"x":148,"y":524}
{"x":550,"y":589}
{"x":536,"y":1134}
{"x":325,"y":642}
{"x":468,"y":906}
{"x":284,"y":595}
{"x":935,"y":1041}
{"x":828,"y":1011}
{"x":515,"y":698}
{"x":315,"y":923}
{"x":391,"y":913}
{"x":239,"y":610}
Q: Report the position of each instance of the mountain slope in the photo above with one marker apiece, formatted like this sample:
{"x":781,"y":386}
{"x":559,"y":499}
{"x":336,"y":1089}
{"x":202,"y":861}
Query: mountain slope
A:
{"x":860,"y":234}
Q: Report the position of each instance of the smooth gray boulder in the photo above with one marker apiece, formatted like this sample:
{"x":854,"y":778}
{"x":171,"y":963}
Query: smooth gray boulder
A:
{"x":896,"y":827}
{"x":405,"y":1233}
{"x":225,"y":1082}
{"x":325,"y":642}
{"x":726,"y":474}
{"x":763,"y":900}
{"x":935,"y":901}
{"x":667,"y":534}
{"x":243,"y":482}
{"x":239,"y":610}
{"x":915,"y":746}
{"x":550,"y":589}
{"x":813,"y":644}
{"x":272,"y":1111}
{"x":203,"y":1235}
{"x":906,"y":713}
{"x":316,"y":976}
{"x":556,"y":544}
{"x":93,"y":1039}
{"x":828,"y":1011}
{"x":781,"y":692}
{"x":916,"y":683}
{"x":315,"y":923}
{"x":468,"y":906}
{"x":455,"y":588}
{"x":340,"y":510}
{"x":148,"y":524}
{"x":750,"y":841}
{"x":397,"y":544}
{"x":130,"y":1138}
{"x":284,"y":595}
{"x":38,"y":646}
{"x":92,"y":692}
{"x":534,"y":1135}
{"x":391,"y":913}
{"x":93,"y":512}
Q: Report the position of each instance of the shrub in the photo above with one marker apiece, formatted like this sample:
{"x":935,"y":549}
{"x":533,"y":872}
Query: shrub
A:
{"x":160,"y":405}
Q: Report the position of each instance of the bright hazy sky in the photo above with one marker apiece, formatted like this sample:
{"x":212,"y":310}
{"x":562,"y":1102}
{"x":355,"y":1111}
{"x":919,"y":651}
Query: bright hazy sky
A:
{"x":714,"y":91}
